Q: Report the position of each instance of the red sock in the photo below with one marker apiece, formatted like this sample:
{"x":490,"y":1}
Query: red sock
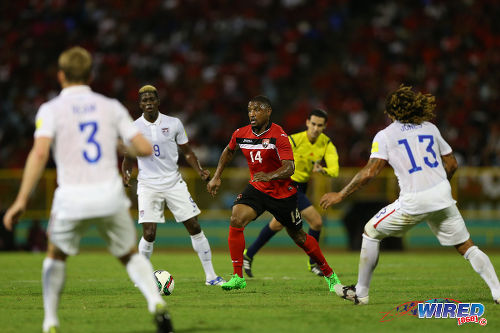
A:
{"x":311,"y":247}
{"x":236,"y":242}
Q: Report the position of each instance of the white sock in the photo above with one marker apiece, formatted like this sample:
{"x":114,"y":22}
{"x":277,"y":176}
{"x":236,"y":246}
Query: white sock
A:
{"x":53,"y":277}
{"x":140,"y":271}
{"x":201,"y":246}
{"x":146,"y":248}
{"x":482,"y":265}
{"x":368,"y":259}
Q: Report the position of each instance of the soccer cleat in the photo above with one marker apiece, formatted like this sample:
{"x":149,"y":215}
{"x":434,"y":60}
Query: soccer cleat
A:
{"x":247,"y":264}
{"x":497,"y":301}
{"x":334,"y":284}
{"x":52,"y":329}
{"x":349,"y":293}
{"x":162,"y":319}
{"x":314,"y":268}
{"x":215,"y":282}
{"x":236,"y":282}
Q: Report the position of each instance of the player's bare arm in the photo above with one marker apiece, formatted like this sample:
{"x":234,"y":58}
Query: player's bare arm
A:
{"x":285,"y":171}
{"x":139,"y":146}
{"x":369,"y":171}
{"x":127,"y":166}
{"x":35,"y":164}
{"x":194,"y":162}
{"x":450,"y":164}
{"x":214,"y":184}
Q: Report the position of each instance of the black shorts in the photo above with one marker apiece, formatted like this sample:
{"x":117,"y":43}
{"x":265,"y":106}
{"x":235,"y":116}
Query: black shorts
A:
{"x":284,"y":210}
{"x":302,"y":201}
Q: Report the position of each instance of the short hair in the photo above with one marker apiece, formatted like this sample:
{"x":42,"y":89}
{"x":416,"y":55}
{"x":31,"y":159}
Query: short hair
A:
{"x":148,"y":89}
{"x":318,"y":113}
{"x":263,"y":100}
{"x":76,"y":64}
{"x":406,"y":106}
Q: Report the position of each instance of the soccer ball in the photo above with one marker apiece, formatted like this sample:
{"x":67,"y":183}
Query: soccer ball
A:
{"x":165,"y":282}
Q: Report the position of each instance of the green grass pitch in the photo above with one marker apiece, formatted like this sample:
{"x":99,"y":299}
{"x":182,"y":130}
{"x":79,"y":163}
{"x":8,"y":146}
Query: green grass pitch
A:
{"x":283,"y":297}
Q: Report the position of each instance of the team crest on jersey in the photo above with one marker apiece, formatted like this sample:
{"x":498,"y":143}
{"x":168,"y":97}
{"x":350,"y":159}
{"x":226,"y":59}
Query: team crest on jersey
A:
{"x":141,"y":213}
{"x":164,"y":130}
{"x":265,"y":143}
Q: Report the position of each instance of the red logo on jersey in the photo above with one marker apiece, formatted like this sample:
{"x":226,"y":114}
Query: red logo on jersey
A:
{"x":265,"y":143}
{"x":164,"y":130}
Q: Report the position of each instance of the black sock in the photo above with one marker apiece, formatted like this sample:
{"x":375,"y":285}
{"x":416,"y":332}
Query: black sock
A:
{"x":265,"y":235}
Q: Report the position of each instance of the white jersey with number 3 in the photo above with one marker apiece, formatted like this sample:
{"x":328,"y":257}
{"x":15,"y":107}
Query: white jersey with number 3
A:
{"x":414,"y":152}
{"x":85,"y":127}
{"x":160,"y":170}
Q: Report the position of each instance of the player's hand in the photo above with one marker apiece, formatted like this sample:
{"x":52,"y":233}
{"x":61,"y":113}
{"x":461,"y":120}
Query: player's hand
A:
{"x":205,"y":175}
{"x":318,"y":168}
{"x":260,"y":177}
{"x":213,"y":186}
{"x":12,"y":215}
{"x":329,"y":199}
{"x":126,"y":178}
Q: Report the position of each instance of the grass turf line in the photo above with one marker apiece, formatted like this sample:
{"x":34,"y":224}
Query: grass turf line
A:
{"x":283,"y":296}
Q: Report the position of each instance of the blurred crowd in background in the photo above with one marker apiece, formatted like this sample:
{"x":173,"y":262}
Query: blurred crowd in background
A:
{"x":209,"y":57}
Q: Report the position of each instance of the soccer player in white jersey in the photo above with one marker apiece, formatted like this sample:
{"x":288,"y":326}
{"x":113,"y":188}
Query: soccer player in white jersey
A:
{"x":423,"y":163}
{"x":160,"y":182}
{"x":83,"y":128}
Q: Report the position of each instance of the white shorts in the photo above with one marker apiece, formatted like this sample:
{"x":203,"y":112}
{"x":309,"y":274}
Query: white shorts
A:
{"x":117,"y":230}
{"x":151,"y":204}
{"x":447,"y":224}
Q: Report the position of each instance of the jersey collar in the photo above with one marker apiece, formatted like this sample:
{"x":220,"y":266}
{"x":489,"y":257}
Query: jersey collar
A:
{"x":267,"y":129}
{"x":75,"y":90}
{"x":147,"y":123}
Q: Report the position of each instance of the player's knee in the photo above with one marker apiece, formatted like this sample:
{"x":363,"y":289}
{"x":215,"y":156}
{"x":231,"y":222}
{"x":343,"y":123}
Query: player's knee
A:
{"x":371,"y":232}
{"x":316,"y":223}
{"x":192,"y":226}
{"x":237,"y":221}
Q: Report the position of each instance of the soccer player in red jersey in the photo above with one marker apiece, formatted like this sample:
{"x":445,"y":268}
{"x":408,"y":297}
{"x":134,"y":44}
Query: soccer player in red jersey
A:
{"x":270,"y":160}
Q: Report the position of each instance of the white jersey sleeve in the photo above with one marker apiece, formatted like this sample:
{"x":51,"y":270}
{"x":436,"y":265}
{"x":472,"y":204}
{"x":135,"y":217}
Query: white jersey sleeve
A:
{"x":181,"y":136}
{"x":45,"y":124}
{"x":125,"y":124}
{"x":444,"y":147}
{"x":379,"y":147}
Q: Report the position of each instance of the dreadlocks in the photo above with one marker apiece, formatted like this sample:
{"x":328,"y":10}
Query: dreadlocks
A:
{"x":406,"y":106}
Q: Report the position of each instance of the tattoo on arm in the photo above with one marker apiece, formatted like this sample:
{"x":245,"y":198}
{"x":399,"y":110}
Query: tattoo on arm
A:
{"x":370,"y":170}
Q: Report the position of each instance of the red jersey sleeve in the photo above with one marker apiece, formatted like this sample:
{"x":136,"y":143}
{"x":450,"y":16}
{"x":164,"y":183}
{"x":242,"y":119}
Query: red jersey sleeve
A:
{"x":284,"y":147}
{"x":232,"y":142}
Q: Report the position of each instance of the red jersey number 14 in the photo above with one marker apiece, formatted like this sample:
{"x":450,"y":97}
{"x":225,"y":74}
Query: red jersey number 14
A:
{"x":256,"y":156}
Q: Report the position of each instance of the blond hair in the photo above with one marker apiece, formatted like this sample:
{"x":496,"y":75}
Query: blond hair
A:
{"x":148,"y":89}
{"x":76,"y":63}
{"x":406,"y":106}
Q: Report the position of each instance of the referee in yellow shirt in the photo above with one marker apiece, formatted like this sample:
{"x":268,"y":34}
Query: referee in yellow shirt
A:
{"x":310,"y":147}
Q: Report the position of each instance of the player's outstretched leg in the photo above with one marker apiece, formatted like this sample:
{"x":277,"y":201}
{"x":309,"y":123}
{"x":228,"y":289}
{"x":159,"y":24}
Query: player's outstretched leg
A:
{"x":202,"y":248}
{"x":311,"y":264}
{"x":53,"y":277}
{"x":236,"y":241}
{"x":368,"y":259}
{"x":141,"y":273}
{"x":311,"y":248}
{"x":264,"y":236}
{"x":481,"y":263}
